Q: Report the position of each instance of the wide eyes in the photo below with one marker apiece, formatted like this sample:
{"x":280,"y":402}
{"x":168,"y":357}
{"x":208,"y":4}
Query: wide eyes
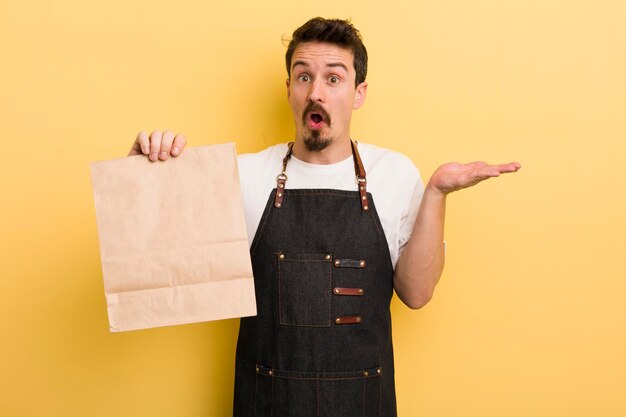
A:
{"x":333,"y":79}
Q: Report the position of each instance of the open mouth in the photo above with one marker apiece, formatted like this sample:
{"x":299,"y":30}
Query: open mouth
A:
{"x":315,"y":116}
{"x":315,"y":121}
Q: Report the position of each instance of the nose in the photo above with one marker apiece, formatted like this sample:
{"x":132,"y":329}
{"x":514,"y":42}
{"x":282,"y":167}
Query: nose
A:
{"x":316,"y":91}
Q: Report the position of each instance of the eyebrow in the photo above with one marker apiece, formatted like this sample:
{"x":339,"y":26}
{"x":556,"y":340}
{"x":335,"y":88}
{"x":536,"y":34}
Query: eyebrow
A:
{"x":331,"y":64}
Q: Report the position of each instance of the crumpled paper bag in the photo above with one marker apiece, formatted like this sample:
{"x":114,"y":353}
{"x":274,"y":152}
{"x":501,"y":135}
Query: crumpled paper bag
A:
{"x":173,"y":240}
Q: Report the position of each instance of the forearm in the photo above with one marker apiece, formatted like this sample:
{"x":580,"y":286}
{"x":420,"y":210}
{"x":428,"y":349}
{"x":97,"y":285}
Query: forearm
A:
{"x":419,"y":267}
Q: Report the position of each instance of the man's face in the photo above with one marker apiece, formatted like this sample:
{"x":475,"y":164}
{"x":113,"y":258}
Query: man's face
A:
{"x":322,"y":94}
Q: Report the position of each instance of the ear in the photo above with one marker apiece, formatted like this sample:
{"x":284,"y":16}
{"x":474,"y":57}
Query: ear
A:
{"x":287,"y":84}
{"x":359,"y":95}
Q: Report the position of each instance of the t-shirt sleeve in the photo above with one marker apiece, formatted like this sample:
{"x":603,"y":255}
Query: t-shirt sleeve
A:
{"x":257,"y":173}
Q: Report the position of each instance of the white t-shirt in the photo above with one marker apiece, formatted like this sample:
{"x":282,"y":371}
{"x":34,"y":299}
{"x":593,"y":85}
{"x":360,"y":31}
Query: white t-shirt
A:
{"x":392,"y":179}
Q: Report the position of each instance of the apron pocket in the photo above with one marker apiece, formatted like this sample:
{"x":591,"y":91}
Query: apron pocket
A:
{"x":304,"y":289}
{"x":317,"y":394}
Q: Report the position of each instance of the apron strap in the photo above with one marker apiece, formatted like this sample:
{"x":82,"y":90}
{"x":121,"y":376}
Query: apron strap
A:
{"x":359,"y":170}
{"x":360,"y":177}
{"x":281,"y":179}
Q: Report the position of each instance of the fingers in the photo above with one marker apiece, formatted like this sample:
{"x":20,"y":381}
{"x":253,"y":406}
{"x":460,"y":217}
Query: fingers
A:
{"x":454,"y":176}
{"x":506,"y":168}
{"x":510,"y":167}
{"x":141,"y":145}
{"x":171,"y":145}
{"x":488,"y":171}
{"x":180,"y":141}
{"x":476,"y":164}
{"x":166,"y":145}
{"x":158,"y":145}
{"x":485,"y":170}
{"x":155,"y":145}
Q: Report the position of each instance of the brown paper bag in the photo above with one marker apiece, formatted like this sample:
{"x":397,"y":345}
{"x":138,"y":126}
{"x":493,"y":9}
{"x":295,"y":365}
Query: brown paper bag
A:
{"x":173,"y":239}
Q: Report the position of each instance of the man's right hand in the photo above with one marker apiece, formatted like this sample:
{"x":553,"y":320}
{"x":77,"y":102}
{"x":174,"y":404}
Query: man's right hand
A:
{"x":158,"y":146}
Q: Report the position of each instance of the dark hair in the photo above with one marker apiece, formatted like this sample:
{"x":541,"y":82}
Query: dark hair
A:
{"x":334,"y":31}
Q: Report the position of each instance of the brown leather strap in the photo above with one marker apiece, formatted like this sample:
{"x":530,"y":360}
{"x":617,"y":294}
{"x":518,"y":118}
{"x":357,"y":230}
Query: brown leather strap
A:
{"x":348,"y":320}
{"x":348,"y":291}
{"x":358,"y":164}
{"x":287,"y":156}
{"x":360,"y":177}
{"x":282,"y":178}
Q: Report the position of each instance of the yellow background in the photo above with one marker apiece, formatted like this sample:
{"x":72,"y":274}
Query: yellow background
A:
{"x":530,"y":316}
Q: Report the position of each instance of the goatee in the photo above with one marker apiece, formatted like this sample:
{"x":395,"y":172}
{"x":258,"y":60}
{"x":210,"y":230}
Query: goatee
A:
{"x":315,"y":142}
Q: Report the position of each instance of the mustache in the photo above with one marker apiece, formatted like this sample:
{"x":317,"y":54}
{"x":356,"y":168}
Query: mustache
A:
{"x":314,"y":107}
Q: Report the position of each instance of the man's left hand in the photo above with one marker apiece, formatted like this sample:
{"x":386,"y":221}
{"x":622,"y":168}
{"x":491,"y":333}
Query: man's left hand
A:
{"x":454,"y":176}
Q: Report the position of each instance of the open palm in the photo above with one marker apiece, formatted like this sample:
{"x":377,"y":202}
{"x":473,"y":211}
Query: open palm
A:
{"x":454,"y":176}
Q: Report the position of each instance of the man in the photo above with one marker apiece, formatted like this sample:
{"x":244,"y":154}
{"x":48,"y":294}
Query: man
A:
{"x":328,"y":249}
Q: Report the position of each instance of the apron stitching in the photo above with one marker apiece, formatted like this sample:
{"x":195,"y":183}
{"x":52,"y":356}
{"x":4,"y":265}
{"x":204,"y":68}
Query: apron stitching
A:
{"x":272,"y":405}
{"x":378,"y":227}
{"x":363,"y":398}
{"x":380,"y":397}
{"x":303,"y":260}
{"x":280,"y":318}
{"x":259,"y":231}
{"x":326,"y":193}
{"x":256,"y":391}
{"x":330,"y":285}
{"x":318,"y":397}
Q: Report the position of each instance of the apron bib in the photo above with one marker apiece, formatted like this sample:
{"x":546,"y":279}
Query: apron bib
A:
{"x":320,"y":344}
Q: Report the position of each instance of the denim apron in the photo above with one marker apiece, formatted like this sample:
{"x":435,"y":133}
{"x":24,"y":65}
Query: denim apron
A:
{"x":320,"y":344}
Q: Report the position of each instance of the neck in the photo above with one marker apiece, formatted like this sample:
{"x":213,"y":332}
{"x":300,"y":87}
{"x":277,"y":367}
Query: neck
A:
{"x":333,"y":153}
